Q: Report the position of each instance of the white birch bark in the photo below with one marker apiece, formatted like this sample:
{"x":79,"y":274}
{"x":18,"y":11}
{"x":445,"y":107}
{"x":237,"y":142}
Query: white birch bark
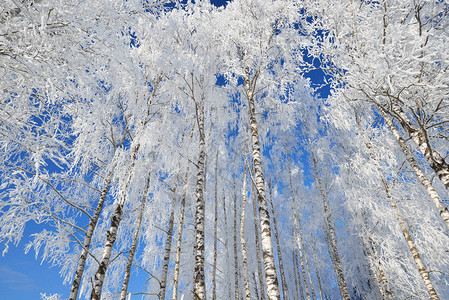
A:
{"x":88,"y":238}
{"x":135,"y":239}
{"x":298,"y":234}
{"x":295,"y":275}
{"x":256,"y":290}
{"x":181,"y":225}
{"x":419,"y":136}
{"x":242,"y":228}
{"x":199,"y":290}
{"x":331,"y":228}
{"x":228,"y":260}
{"x":214,"y":267}
{"x":278,"y":246}
{"x":301,"y":290}
{"x":416,"y":256}
{"x":442,"y":210}
{"x":163,"y":281}
{"x":381,"y":278}
{"x":320,"y":289}
{"x":257,"y":238}
{"x":267,"y":244}
{"x":408,"y":238}
{"x":236,"y":264}
{"x":111,"y":234}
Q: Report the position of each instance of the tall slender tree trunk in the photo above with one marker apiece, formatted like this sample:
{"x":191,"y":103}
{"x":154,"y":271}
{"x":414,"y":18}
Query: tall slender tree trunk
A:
{"x":330,"y":225}
{"x":88,"y":238}
{"x":320,"y":289}
{"x":312,"y":288}
{"x":166,"y":261}
{"x":301,"y":290}
{"x":295,"y":275}
{"x":242,"y":229}
{"x":419,"y":136}
{"x":236,"y":261}
{"x":278,"y":246}
{"x":382,"y":275}
{"x":226,"y":242}
{"x":377,"y":270}
{"x":442,"y":209}
{"x":298,"y":235}
{"x":416,"y":256}
{"x":408,"y":238}
{"x":267,"y":245}
{"x":111,"y":234}
{"x":181,"y":225}
{"x":135,"y":239}
{"x":259,"y":260}
{"x":199,"y":290}
{"x":214,"y":267}
{"x":256,"y":290}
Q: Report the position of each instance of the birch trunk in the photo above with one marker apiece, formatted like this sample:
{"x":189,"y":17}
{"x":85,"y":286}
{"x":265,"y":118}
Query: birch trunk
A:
{"x":214,"y":268}
{"x":88,"y":238}
{"x":320,"y":289}
{"x":259,"y":261}
{"x":242,"y":228}
{"x":236,"y":264}
{"x":267,"y":244}
{"x":312,"y":288}
{"x":226,"y":242}
{"x":301,"y":290}
{"x":295,"y":275}
{"x":132,"y":250}
{"x":111,"y":234}
{"x":408,"y":238}
{"x":163,"y":281}
{"x":416,"y":256}
{"x":256,"y":291}
{"x":180,"y":226}
{"x":419,"y":136}
{"x":199,"y":290}
{"x":278,"y":246}
{"x":443,"y":211}
{"x":332,"y":235}
{"x":383,"y":278}
{"x":298,"y":234}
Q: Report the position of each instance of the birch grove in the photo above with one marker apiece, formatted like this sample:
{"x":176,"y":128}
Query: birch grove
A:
{"x":241,"y":149}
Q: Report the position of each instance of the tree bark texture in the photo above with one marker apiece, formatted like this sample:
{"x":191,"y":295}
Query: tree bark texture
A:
{"x":171,"y":222}
{"x":408,"y":238}
{"x":298,"y":235}
{"x":242,"y":229}
{"x":267,"y":244}
{"x":236,"y":261}
{"x":181,"y":225}
{"x":214,"y":267}
{"x":257,"y":238}
{"x":135,"y":239}
{"x":111,"y":234}
{"x":332,"y":235}
{"x":443,"y":211}
{"x":199,"y":290}
{"x":88,"y":238}
{"x":278,"y":246}
{"x":419,"y":136}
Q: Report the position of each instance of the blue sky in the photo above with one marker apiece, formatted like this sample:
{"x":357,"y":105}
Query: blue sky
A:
{"x":22,"y":277}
